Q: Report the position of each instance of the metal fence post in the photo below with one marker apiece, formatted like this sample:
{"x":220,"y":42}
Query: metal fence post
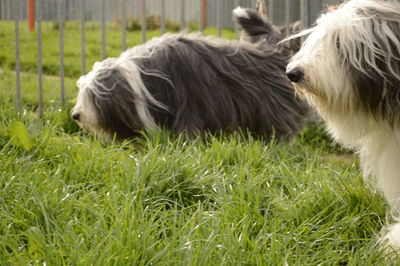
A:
{"x":288,"y":8}
{"x":182,"y":24}
{"x":236,"y":4}
{"x":40,"y":67}
{"x":218,"y":3}
{"x":103,"y":29}
{"x":61,"y":19}
{"x":271,"y":10}
{"x":9,"y":10}
{"x":304,"y":13}
{"x":17,"y":56}
{"x":163,"y":30}
{"x":83,"y":38}
{"x":144,"y":21}
{"x":123,"y":24}
{"x":201,"y":16}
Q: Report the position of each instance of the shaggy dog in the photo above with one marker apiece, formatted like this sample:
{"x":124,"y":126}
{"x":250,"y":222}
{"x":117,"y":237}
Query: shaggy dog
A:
{"x":349,"y":70}
{"x":193,"y":84}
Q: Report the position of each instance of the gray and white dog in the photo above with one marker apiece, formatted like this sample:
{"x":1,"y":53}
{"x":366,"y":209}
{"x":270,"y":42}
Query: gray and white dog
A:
{"x":349,"y":70}
{"x":193,"y":84}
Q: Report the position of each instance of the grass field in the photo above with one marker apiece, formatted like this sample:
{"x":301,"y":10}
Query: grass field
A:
{"x":66,"y":198}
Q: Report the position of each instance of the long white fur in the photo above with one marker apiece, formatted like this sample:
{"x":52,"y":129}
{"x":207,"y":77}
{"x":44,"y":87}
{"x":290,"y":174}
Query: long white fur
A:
{"x":328,"y":88}
{"x":240,"y":12}
{"x":344,"y":23}
{"x":88,"y":119}
{"x":131,"y":73}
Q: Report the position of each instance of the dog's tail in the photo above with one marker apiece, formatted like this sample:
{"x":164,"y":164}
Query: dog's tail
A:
{"x":255,"y":27}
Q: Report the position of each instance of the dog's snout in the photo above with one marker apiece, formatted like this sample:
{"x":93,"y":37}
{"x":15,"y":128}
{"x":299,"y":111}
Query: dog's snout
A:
{"x":76,"y":116}
{"x":295,"y":74}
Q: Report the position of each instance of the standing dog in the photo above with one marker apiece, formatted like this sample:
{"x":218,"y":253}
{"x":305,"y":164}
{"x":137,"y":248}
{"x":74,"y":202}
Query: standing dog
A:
{"x":193,"y":84}
{"x":349,"y":69}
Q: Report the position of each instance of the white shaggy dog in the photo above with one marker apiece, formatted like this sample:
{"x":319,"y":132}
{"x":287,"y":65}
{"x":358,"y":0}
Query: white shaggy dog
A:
{"x":349,"y":70}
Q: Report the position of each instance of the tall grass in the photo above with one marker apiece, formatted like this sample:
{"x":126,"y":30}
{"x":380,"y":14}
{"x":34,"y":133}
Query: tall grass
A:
{"x":66,"y":198}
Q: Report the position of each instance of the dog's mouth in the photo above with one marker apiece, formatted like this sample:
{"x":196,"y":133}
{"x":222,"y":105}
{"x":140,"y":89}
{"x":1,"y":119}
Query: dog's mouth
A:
{"x":95,"y":130}
{"x":83,"y":126}
{"x":301,"y":91}
{"x":313,"y":96}
{"x":303,"y":86}
{"x":86,"y":127}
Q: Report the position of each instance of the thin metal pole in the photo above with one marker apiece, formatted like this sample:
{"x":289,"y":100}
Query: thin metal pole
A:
{"x":288,"y":9}
{"x":83,"y":37}
{"x":271,"y":10}
{"x":218,"y":2}
{"x":236,"y":26}
{"x":201,"y":16}
{"x":45,"y":10}
{"x":103,"y":29}
{"x":31,"y":15}
{"x":204,"y":14}
{"x":61,"y":18}
{"x":182,"y":24}
{"x":144,"y":25}
{"x":17,"y":56}
{"x":123,"y":25}
{"x":9,"y":8}
{"x":40,"y":67}
{"x":163,"y":16}
{"x":304,"y":13}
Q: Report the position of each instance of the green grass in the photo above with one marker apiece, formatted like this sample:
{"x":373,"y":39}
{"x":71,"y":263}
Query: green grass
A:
{"x":72,"y":45}
{"x":66,"y":198}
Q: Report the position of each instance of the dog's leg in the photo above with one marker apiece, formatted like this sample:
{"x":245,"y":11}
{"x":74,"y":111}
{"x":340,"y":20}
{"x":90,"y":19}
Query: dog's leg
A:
{"x":380,"y":159}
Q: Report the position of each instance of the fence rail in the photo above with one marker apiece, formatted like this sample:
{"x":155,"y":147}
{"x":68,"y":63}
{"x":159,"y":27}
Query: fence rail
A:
{"x":216,"y":13}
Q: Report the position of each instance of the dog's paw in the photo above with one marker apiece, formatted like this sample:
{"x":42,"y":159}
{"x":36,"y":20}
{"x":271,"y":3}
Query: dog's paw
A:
{"x":241,"y":12}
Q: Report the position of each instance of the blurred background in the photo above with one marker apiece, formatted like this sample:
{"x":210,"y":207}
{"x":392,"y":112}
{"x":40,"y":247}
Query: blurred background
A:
{"x":279,"y":11}
{"x":45,"y":45}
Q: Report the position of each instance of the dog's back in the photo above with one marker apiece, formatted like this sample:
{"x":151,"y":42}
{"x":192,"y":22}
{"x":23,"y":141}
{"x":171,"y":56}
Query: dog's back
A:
{"x":218,"y":85}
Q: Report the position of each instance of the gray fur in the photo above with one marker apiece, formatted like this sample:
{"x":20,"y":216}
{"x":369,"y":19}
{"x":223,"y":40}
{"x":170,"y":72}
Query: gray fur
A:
{"x":200,"y":85}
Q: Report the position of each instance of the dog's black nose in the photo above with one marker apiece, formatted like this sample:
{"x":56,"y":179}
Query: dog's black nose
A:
{"x":295,"y":74}
{"x":76,"y":116}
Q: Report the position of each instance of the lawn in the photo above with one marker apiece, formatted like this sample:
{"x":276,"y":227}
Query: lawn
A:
{"x":66,"y":198}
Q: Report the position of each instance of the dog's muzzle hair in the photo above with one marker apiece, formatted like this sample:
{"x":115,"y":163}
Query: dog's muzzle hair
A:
{"x":193,"y":84}
{"x":348,"y":68}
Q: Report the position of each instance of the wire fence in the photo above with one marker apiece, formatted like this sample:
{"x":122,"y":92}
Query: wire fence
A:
{"x":216,"y":13}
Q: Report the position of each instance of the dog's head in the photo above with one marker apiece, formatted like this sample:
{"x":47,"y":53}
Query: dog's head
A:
{"x":351,"y":59}
{"x":111,"y":101}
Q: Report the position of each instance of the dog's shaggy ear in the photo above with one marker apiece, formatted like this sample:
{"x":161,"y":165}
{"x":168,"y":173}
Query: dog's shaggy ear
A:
{"x":366,"y":43}
{"x":255,"y":27}
{"x":115,"y":103}
{"x":369,"y":48}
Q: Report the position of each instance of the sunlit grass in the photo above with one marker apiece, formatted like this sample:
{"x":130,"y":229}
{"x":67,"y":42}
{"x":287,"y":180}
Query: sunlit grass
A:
{"x":67,"y":198}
